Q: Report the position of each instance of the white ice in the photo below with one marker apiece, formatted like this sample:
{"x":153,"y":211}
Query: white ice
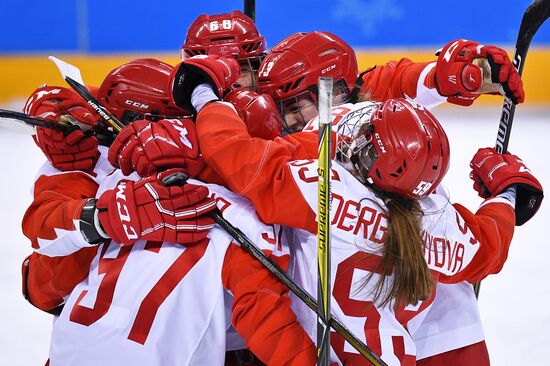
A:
{"x":515,"y":304}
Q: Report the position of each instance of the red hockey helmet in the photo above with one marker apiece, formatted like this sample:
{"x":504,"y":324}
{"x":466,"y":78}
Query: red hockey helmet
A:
{"x":258,"y":111}
{"x":230,"y":35}
{"x":137,"y":89}
{"x":295,"y":64}
{"x":399,"y":147}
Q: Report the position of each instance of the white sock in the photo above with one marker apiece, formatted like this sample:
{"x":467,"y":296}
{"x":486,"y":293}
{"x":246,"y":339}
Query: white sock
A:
{"x":201,"y":95}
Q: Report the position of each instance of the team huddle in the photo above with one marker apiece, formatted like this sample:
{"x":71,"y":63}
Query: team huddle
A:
{"x":129,"y":260}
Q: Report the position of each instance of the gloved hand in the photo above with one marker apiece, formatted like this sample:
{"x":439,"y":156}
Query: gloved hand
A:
{"x":459,"y":76}
{"x":258,"y":111}
{"x":72,"y":150}
{"x":148,"y":209}
{"x":492,"y":173}
{"x":148,"y":147}
{"x":217,"y":71}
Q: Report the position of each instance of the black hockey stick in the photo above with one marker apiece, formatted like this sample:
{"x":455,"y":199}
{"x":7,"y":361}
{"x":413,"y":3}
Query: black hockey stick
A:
{"x":111,"y":120}
{"x":535,"y":14}
{"x":247,"y":245}
{"x":71,"y":75}
{"x":30,"y":120}
{"x":250,"y":9}
{"x":16,"y":120}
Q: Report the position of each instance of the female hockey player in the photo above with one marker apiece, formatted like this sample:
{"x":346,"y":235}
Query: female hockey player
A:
{"x":231,"y":35}
{"x":289,"y":73}
{"x":374,"y":192}
{"x":454,"y":313}
{"x":77,"y":269}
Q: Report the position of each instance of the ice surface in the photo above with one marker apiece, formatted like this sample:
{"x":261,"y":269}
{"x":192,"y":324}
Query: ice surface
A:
{"x":515,"y":304}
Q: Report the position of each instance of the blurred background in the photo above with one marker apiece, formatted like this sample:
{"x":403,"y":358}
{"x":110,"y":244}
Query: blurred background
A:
{"x":99,"y":35}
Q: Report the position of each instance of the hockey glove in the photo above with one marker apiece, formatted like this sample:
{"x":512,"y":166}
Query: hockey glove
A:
{"x":148,"y":147}
{"x":149,"y":210}
{"x":459,"y":76}
{"x":492,"y":173}
{"x":217,"y":71}
{"x":72,"y":150}
{"x":258,"y":111}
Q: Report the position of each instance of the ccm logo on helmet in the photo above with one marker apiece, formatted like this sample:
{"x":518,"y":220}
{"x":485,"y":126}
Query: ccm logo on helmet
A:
{"x":379,"y":141}
{"x":331,"y":67}
{"x":123,"y":213}
{"x":136,"y":104}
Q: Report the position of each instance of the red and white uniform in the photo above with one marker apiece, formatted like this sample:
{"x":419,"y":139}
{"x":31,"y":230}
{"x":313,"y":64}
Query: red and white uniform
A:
{"x":453,"y":320}
{"x":460,"y":245}
{"x":401,"y":79}
{"x":156,"y":303}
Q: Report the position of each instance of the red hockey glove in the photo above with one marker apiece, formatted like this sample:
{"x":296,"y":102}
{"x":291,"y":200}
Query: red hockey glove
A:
{"x":220,"y":72}
{"x":492,"y":173}
{"x":73,"y":150}
{"x":459,"y":77}
{"x":148,"y":147}
{"x":149,"y":210}
{"x":258,"y":111}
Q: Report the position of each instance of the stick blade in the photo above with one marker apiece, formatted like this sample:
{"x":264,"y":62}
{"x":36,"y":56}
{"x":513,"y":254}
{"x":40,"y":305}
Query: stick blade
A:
{"x":535,"y":14}
{"x":67,"y":70}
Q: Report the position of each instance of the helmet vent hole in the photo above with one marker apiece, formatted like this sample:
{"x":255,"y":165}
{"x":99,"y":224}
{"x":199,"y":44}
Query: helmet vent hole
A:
{"x":191,"y":53}
{"x":429,"y":146}
{"x":378,"y":174}
{"x":328,"y":52}
{"x":251,"y":47}
{"x":286,"y":87}
{"x":434,"y":167}
{"x":394,"y":108}
{"x":297,"y":82}
{"x":223,"y":39}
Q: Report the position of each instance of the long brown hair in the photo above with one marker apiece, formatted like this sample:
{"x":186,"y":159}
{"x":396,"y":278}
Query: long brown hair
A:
{"x":402,"y":255}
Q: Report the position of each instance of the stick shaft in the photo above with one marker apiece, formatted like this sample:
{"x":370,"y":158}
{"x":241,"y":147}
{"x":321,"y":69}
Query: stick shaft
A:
{"x":247,"y":245}
{"x":323,"y":222}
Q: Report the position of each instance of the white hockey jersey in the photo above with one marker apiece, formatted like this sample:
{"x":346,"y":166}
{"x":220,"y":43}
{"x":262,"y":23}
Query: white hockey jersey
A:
{"x":458,"y":244}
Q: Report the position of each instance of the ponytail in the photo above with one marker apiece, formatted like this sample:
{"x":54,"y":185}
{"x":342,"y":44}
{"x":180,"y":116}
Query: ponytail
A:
{"x":402,"y":255}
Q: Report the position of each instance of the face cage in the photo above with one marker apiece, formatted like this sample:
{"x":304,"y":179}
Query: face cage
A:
{"x":355,"y":147}
{"x":253,"y":64}
{"x":340,"y":96}
{"x":295,"y":99}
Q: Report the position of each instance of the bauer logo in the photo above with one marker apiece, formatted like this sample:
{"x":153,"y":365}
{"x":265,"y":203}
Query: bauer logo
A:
{"x":136,"y":104}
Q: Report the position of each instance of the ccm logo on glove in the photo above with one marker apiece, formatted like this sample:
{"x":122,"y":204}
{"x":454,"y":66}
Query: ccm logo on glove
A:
{"x":123,"y":212}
